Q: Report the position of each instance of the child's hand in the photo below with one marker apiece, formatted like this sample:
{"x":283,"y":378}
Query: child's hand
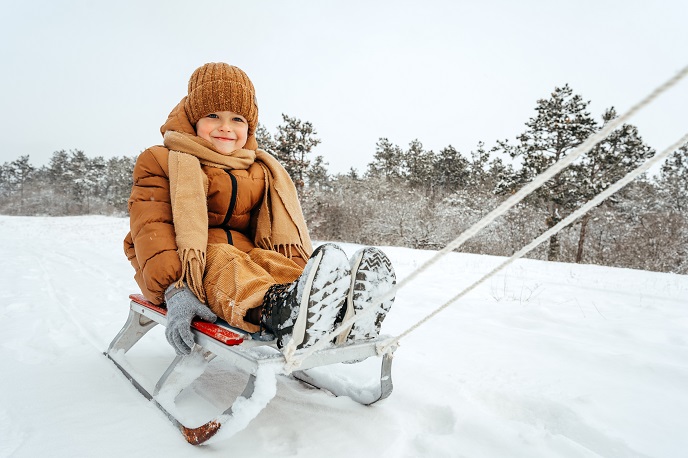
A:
{"x":182,"y":307}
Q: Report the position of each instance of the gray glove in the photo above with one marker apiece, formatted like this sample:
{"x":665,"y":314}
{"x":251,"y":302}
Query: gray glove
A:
{"x":182,"y":307}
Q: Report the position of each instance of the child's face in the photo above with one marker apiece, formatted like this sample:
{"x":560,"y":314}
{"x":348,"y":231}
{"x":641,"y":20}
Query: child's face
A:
{"x":226,"y":130}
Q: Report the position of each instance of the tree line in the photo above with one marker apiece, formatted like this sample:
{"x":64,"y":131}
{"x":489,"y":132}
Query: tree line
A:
{"x":71,"y":184}
{"x":420,"y":198}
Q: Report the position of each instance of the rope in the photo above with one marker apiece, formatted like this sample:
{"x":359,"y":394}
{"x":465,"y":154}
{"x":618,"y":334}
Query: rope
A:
{"x":292,"y":361}
{"x":598,"y":199}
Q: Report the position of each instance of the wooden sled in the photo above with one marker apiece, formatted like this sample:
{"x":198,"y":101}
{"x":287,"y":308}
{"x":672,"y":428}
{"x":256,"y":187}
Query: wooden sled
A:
{"x":243,"y":350}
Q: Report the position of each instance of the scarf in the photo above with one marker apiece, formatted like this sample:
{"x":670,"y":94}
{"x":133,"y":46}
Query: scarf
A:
{"x":280,"y":225}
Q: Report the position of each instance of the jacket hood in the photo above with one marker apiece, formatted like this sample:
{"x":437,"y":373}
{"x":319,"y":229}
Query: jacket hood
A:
{"x":178,"y":121}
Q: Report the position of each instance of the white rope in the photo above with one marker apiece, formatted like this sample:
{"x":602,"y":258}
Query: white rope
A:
{"x":598,"y":199}
{"x":292,"y":361}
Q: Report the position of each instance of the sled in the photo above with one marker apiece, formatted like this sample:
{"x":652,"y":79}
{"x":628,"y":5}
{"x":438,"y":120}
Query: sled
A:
{"x":247,"y":352}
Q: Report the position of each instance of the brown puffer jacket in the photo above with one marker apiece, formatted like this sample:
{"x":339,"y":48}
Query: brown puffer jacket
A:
{"x":233,"y":198}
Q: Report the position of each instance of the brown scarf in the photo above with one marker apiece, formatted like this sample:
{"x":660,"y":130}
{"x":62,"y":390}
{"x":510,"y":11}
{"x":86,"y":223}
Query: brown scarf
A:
{"x":280,"y":223}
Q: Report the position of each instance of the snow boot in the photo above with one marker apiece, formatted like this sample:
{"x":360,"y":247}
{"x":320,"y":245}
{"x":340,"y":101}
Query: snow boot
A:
{"x":309,"y":307}
{"x":372,"y":276}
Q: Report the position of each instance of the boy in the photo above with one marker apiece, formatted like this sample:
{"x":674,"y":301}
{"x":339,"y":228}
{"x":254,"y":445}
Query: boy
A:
{"x":217,"y":229}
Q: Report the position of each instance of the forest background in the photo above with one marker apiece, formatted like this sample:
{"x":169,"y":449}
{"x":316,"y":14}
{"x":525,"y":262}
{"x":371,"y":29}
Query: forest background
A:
{"x":418,"y":198}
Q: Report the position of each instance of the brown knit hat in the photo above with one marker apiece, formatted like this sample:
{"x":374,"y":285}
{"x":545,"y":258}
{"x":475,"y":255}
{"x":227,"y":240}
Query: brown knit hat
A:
{"x":221,"y":87}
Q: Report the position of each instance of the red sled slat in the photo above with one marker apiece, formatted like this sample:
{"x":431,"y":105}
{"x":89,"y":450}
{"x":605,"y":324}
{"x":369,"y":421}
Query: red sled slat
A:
{"x":212,"y":330}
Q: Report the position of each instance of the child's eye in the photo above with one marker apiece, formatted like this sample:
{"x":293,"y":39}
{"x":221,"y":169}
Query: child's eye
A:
{"x":212,"y":115}
{"x":238,"y":119}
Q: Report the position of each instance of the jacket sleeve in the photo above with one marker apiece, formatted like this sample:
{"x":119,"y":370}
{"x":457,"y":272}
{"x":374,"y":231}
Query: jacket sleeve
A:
{"x":152,"y":231}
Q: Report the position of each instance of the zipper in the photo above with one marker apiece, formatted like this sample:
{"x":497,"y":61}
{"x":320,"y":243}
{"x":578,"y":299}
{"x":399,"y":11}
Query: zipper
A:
{"x":230,"y":209}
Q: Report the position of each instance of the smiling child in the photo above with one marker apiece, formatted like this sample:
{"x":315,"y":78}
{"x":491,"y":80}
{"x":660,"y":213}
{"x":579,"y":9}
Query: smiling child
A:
{"x":217,"y":228}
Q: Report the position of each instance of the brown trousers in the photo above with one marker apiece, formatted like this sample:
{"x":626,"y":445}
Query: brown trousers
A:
{"x":235,"y":281}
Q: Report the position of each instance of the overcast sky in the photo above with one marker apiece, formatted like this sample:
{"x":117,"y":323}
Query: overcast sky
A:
{"x":102,"y":76}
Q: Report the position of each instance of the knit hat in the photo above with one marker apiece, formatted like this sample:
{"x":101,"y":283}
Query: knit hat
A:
{"x":221,"y":87}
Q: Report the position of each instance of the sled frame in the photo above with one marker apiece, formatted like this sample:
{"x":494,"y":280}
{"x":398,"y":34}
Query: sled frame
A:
{"x":245,"y":351}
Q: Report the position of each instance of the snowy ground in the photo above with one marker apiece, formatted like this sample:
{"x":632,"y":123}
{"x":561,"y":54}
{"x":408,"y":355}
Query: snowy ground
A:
{"x":544,"y":360}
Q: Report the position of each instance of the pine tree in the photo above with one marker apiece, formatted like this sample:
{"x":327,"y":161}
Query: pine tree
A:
{"x":561,"y":124}
{"x":450,"y":170}
{"x":353,"y":174}
{"x":673,"y":180}
{"x":293,"y":143}
{"x":5,"y":184}
{"x":59,"y":181}
{"x":317,"y":173}
{"x":265,"y":140}
{"x":118,"y":181}
{"x":80,"y":179}
{"x":610,"y":160}
{"x":497,"y":174}
{"x":388,"y":160}
{"x":418,"y":165}
{"x":16,"y":177}
{"x":477,"y":168}
{"x":95,"y":182}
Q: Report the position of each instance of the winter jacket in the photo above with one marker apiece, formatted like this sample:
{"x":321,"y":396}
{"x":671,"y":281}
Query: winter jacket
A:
{"x":233,"y":198}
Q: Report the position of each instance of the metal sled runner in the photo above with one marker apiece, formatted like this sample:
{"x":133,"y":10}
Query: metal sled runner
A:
{"x":244,"y":351}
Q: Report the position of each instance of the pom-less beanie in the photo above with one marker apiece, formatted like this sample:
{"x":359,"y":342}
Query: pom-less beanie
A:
{"x":221,"y":87}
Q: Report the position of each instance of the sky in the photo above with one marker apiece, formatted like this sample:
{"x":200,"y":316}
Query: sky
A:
{"x":103,"y":76}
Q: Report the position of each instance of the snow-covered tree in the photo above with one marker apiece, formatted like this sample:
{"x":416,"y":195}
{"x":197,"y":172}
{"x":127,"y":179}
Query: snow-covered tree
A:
{"x":620,"y":152}
{"x":353,"y":174}
{"x":16,"y":176}
{"x":293,"y":143}
{"x":418,"y":165}
{"x":450,"y":169}
{"x":561,"y":124}
{"x":673,"y":180}
{"x":388,"y":160}
{"x":5,"y":184}
{"x":80,"y":178}
{"x":118,"y":181}
{"x":59,"y":181}
{"x":265,"y":140}
{"x":317,"y":173}
{"x":487,"y":172}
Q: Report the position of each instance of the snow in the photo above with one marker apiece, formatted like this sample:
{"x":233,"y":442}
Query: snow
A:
{"x":245,"y":410}
{"x":543,"y":360}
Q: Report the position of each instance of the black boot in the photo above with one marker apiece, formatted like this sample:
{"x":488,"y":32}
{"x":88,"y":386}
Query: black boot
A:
{"x":308,"y":308}
{"x":280,"y":310}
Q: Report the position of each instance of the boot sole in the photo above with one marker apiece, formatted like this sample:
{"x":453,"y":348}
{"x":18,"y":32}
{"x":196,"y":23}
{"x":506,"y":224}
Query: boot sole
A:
{"x":372,"y":275}
{"x":324,"y":294}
